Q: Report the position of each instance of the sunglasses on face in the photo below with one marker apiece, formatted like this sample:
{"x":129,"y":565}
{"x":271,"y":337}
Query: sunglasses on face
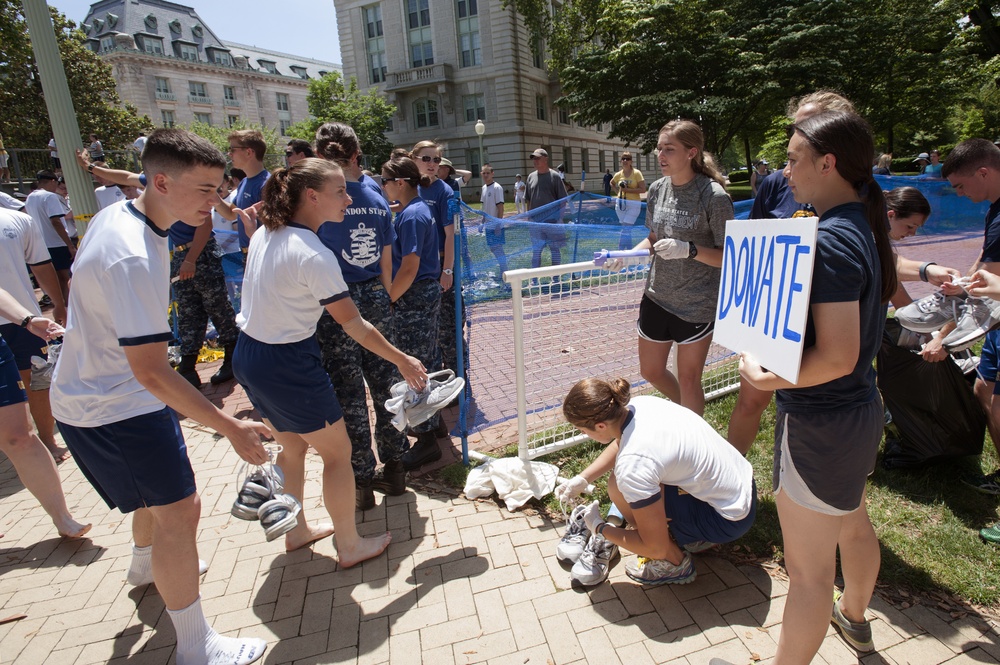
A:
{"x":234,"y":148}
{"x":386,"y":180}
{"x":289,"y":153}
{"x":626,"y":159}
{"x":426,"y":158}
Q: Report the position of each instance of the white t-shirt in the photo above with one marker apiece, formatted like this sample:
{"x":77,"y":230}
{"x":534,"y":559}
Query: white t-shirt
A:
{"x":491,"y":197}
{"x":42,"y":205}
{"x":222,"y":229}
{"x":21,"y":242}
{"x":108,"y":195}
{"x":290,"y":276}
{"x":140,"y":143}
{"x":667,"y":444}
{"x":53,"y":153}
{"x":10,"y":202}
{"x":121,"y":291}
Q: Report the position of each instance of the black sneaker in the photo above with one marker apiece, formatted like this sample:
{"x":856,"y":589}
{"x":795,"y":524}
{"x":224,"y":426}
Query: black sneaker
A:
{"x":988,"y":484}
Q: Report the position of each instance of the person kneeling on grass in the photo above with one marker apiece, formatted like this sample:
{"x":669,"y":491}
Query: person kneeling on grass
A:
{"x":680,"y":486}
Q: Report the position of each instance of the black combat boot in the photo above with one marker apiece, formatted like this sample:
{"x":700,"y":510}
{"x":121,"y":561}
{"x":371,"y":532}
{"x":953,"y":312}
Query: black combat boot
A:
{"x":188,"y":371}
{"x":424,"y":451}
{"x":225,"y":372}
{"x":364,"y":498}
{"x":391,"y":479}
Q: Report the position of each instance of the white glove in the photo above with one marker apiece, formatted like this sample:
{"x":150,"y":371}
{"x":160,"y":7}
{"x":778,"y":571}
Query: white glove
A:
{"x":592,"y":516}
{"x":571,"y":489}
{"x":671,"y":248}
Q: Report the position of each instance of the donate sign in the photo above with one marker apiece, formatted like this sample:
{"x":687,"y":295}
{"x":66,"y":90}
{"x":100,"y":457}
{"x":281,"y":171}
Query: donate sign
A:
{"x":767,"y":267}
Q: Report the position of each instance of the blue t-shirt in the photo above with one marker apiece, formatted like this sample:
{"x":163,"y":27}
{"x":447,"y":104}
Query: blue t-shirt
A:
{"x":846,"y":269}
{"x":372,"y":184}
{"x":181,"y":233}
{"x":775,"y":200}
{"x":416,"y":232}
{"x":991,"y":237}
{"x":932,"y":170}
{"x":247,"y":194}
{"x":358,"y":241}
{"x":436,"y":196}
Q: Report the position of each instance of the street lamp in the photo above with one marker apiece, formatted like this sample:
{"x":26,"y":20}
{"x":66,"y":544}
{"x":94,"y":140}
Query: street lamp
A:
{"x":480,"y":130}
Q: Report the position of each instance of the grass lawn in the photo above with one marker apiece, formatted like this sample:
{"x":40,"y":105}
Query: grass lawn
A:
{"x":927,"y":521}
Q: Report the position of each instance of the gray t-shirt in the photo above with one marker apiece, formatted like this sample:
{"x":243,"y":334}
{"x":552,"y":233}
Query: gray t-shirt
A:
{"x":542,"y":189}
{"x":697,"y":212}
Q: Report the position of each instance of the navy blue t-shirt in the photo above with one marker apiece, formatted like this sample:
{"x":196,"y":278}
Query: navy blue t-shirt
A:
{"x":436,"y":197}
{"x":359,"y":239}
{"x":181,"y":233}
{"x":247,"y":194}
{"x":416,"y":232}
{"x":372,"y":184}
{"x":991,"y":237}
{"x":774,"y":200}
{"x":846,"y":269}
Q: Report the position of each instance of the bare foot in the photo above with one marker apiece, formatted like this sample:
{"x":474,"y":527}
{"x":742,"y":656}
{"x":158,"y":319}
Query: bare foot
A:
{"x":299,"y":538}
{"x":74,"y":530}
{"x":366,"y":548}
{"x":58,"y":454}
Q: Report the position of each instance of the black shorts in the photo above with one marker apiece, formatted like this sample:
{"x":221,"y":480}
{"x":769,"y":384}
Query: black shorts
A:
{"x":23,"y":344}
{"x":11,"y":389}
{"x":656,"y":324}
{"x":61,"y":259}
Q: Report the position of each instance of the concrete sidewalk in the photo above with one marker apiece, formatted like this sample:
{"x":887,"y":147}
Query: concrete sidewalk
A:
{"x":462,"y":582}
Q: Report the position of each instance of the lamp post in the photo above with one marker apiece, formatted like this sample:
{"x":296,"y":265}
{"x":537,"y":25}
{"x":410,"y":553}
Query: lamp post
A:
{"x":480,"y":130}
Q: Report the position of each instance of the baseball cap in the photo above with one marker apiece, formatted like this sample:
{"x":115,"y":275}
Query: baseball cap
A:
{"x":540,"y":152}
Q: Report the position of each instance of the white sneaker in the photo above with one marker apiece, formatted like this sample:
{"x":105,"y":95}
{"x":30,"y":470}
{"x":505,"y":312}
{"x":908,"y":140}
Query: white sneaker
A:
{"x":221,"y":650}
{"x":594,"y":564}
{"x":279,"y":515}
{"x":981,"y":316}
{"x":573,"y":542}
{"x":930,"y":313}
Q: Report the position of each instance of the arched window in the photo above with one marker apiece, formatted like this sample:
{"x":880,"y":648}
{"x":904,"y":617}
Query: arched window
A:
{"x":426,"y":112}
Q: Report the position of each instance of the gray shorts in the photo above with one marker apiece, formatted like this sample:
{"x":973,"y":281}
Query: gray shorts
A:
{"x":823,"y":460}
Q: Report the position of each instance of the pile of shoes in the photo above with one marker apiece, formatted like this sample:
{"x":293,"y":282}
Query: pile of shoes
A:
{"x":410,"y":407}
{"x":973,"y":316}
{"x":261,"y":497}
{"x":590,"y":553}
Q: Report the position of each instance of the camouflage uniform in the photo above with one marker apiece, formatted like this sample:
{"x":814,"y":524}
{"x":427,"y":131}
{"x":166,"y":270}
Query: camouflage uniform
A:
{"x":350,"y":366}
{"x":201,"y":297}
{"x":415,"y":319}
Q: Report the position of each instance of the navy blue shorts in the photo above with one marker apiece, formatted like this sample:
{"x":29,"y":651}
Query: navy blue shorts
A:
{"x":61,"y":259}
{"x":692,"y":519}
{"x":134,"y":463}
{"x":287,"y":383}
{"x":11,"y":389}
{"x":23,"y":344}
{"x":989,"y":360}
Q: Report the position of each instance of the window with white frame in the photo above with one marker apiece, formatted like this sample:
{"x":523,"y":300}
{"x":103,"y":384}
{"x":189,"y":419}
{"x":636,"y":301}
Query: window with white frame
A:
{"x":232,"y":120}
{"x":107,"y":42}
{"x":188,"y":52}
{"x":167,"y":118}
{"x":375,"y":43}
{"x":197,"y":93}
{"x":475,"y":107}
{"x":470,"y":51}
{"x":229,"y":95}
{"x":475,"y":161}
{"x":281,"y":100}
{"x":418,"y":21}
{"x":284,"y":126}
{"x":563,"y":116}
{"x":541,"y":107}
{"x":162,"y":84}
{"x":425,"y":111}
{"x":204,"y":118}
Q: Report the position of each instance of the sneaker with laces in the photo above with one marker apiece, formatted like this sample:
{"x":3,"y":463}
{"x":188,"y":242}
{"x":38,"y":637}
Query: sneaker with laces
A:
{"x":574,"y":541}
{"x":655,"y":572}
{"x":857,"y":635}
{"x":594,"y":564}
{"x":966,"y":362}
{"x":279,"y":515}
{"x":987,"y":484}
{"x":930,"y":313}
{"x":698,"y":546}
{"x":981,"y":316}
{"x":260,"y":485}
{"x":991,"y":534}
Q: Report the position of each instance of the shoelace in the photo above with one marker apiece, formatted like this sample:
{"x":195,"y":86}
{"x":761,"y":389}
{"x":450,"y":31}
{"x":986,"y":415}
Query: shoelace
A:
{"x":246,"y":469}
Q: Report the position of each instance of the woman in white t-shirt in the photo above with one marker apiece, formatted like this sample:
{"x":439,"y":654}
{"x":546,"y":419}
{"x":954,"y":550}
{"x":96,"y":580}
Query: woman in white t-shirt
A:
{"x":680,"y":486}
{"x":290,"y":278}
{"x":519,"y":188}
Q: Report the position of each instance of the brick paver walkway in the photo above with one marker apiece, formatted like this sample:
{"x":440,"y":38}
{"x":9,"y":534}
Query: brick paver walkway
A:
{"x":462,"y":582}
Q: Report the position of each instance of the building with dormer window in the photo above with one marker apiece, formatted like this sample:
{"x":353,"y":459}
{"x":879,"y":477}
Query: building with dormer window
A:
{"x":176,"y":70}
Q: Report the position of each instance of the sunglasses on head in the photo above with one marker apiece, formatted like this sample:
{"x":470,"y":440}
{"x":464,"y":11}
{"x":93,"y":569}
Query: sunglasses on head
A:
{"x":426,"y":158}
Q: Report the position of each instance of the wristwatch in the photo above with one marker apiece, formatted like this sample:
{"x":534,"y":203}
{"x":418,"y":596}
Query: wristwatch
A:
{"x":448,"y":271}
{"x":90,"y":167}
{"x":692,"y":250}
{"x":26,"y":320}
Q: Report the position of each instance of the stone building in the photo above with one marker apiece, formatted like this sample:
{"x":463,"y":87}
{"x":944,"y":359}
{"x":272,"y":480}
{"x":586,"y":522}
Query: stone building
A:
{"x":447,"y":63}
{"x":176,"y":70}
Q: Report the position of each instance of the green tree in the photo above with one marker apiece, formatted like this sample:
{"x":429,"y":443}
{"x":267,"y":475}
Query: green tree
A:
{"x":331,"y":100}
{"x":219,"y":137}
{"x":23,"y":116}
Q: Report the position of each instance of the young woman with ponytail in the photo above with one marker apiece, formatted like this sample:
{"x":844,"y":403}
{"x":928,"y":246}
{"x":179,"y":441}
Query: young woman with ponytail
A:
{"x":829,"y":424}
{"x":290,"y":279}
{"x":686,"y":212}
{"x":680,"y":486}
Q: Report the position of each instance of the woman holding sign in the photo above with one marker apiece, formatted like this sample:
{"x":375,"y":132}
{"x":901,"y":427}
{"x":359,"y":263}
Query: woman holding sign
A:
{"x":829,"y":424}
{"x":686,"y":213}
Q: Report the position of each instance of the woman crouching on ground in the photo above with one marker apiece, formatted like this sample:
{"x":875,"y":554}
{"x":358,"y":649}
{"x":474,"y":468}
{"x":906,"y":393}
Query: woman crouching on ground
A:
{"x":680,"y":486}
{"x":290,"y":278}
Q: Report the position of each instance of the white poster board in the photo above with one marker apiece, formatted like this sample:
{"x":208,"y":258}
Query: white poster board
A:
{"x":763,"y":305}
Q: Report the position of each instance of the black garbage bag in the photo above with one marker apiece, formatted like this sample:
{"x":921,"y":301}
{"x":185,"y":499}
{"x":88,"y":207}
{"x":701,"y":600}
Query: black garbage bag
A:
{"x":935,"y":415}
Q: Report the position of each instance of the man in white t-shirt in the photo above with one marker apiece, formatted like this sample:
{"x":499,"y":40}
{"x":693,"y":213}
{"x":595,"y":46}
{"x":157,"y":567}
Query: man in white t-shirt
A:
{"x":114,"y":394}
{"x":140,"y":143}
{"x":10,"y":202}
{"x":108,"y":193}
{"x":46,"y":208}
{"x":492,"y":204}
{"x":54,"y":154}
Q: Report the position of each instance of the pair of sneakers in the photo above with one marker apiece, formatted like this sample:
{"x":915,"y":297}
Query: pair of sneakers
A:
{"x":410,"y":407}
{"x":261,"y":497}
{"x":973,"y":316}
{"x":590,"y":553}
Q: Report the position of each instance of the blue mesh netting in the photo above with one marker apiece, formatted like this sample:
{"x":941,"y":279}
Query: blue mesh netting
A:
{"x":949,"y":213}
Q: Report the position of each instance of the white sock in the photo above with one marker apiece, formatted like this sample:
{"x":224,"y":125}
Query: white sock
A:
{"x":199,"y":644}
{"x":140,"y":571}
